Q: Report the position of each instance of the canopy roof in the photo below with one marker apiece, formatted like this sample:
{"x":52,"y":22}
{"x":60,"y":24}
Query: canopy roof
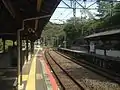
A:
{"x":14,"y":12}
{"x":113,"y":34}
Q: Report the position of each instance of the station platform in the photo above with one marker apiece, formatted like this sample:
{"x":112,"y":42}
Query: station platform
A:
{"x":36,"y":74}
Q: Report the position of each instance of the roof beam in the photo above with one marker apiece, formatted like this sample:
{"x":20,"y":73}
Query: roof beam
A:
{"x":9,"y":7}
{"x":12,"y":10}
{"x":39,"y":2}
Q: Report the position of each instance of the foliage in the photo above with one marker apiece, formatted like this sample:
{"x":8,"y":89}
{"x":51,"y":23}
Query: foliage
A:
{"x":104,"y":7}
{"x":52,"y":32}
{"x":78,"y":27}
{"x":73,"y":29}
{"x":111,"y":19}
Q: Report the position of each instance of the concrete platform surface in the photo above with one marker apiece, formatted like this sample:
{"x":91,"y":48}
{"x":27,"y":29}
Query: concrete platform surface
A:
{"x":36,"y":74}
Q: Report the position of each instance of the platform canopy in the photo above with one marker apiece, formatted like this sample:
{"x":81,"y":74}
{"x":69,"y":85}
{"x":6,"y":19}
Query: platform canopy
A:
{"x":111,"y":34}
{"x":13,"y":12}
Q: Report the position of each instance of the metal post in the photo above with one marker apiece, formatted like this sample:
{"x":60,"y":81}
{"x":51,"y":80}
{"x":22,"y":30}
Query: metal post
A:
{"x":74,"y":11}
{"x":88,"y":45}
{"x":104,"y":48}
{"x":105,"y":52}
{"x":27,"y":48}
{"x":21,"y":59}
{"x":19,"y":44}
{"x":32,"y":47}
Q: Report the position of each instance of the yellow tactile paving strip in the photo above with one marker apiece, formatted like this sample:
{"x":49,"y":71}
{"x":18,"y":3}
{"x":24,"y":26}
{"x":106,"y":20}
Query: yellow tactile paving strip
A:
{"x":24,"y":78}
{"x":31,"y":78}
{"x":32,"y":75}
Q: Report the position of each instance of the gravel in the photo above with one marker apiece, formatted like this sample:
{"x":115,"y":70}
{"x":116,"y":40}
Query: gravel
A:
{"x":88,"y":79}
{"x":66,"y":81}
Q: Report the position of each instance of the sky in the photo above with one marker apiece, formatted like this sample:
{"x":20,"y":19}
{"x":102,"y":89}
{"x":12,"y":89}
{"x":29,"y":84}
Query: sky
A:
{"x":61,"y":14}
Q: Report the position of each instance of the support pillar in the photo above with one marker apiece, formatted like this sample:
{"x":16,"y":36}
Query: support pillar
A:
{"x":19,"y":44}
{"x":21,"y":59}
{"x":32,"y":47}
{"x":27,"y":49}
{"x":88,"y":43}
{"x":104,"y":48}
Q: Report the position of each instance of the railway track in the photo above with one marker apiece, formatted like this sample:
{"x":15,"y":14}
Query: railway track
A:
{"x":114,"y":77}
{"x":66,"y":81}
{"x":86,"y":77}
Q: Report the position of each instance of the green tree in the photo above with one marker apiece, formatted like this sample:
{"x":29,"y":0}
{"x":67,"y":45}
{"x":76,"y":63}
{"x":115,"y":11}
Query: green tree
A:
{"x":73,"y":29}
{"x":53,"y":32}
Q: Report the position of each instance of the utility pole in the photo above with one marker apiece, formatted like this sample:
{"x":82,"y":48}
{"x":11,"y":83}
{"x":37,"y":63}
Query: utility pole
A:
{"x":74,"y":8}
{"x":73,"y":3}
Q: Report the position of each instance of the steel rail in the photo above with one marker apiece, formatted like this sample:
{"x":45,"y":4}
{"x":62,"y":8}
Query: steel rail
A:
{"x":78,"y":84}
{"x":54,"y":71}
{"x":93,"y":68}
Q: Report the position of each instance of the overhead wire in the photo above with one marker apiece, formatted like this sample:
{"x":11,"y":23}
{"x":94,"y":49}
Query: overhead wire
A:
{"x":71,"y":11}
{"x":63,"y":12}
